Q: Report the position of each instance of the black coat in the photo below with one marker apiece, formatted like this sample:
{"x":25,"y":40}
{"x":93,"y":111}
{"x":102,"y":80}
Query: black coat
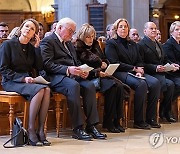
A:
{"x":15,"y":65}
{"x":93,"y":56}
{"x":127,"y":58}
{"x":172,"y":50}
{"x":150,"y":56}
{"x":56,"y":58}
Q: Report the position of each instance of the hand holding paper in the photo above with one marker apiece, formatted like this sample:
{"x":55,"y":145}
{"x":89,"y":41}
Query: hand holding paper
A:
{"x":169,"y":67}
{"x":86,"y":68}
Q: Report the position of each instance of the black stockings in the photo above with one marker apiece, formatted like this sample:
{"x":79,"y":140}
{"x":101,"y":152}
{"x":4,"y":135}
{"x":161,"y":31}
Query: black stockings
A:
{"x":38,"y":107}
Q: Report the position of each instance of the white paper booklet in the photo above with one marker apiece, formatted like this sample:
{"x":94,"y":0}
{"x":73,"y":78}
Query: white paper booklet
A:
{"x":86,"y":68}
{"x":41,"y":80}
{"x":111,"y":68}
{"x":136,"y":76}
{"x":168,"y":67}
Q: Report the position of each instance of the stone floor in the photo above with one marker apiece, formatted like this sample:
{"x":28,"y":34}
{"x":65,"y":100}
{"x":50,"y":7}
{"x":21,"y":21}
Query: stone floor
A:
{"x":134,"y":141}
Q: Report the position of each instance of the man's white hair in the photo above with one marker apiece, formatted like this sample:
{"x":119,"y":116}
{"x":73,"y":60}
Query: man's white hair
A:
{"x":65,"y":21}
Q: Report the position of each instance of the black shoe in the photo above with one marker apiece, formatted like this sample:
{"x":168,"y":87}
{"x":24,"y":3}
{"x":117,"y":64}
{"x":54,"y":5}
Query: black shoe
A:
{"x":169,"y":117}
{"x":44,"y":140}
{"x":80,"y":134}
{"x":95,"y":133}
{"x":153,"y":123}
{"x":113,"y":130}
{"x":110,"y":127}
{"x":142,"y":125}
{"x":118,"y":126}
{"x":35,"y":143}
{"x":33,"y":139}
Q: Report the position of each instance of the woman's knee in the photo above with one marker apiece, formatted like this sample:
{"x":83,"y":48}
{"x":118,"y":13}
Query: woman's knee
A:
{"x":47,"y":90}
{"x":41,"y":91}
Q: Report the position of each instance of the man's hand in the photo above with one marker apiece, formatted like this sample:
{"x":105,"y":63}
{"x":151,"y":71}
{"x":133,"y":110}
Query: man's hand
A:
{"x":84,"y":74}
{"x":139,"y":74}
{"x":74,"y":70}
{"x":139,"y":70}
{"x":160,"y":68}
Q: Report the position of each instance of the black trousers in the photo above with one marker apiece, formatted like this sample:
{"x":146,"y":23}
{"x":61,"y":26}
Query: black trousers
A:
{"x":176,"y":80}
{"x":72,"y":89}
{"x":113,"y":105}
{"x":148,"y":88}
{"x":167,"y":88}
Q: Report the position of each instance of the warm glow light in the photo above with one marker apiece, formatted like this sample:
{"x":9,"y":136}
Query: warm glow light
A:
{"x":156,"y":15}
{"x":47,"y":10}
{"x":176,"y":16}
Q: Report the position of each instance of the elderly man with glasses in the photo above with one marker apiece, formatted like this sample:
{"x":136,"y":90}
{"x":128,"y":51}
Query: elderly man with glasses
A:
{"x":68,"y":78}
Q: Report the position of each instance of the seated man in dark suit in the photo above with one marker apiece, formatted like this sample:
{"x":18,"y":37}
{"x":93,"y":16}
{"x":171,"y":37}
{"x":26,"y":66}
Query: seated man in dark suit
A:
{"x":61,"y":65}
{"x":155,"y":59}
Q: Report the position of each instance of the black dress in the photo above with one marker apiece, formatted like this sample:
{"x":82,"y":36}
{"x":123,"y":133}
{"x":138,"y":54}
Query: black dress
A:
{"x":16,"y":63}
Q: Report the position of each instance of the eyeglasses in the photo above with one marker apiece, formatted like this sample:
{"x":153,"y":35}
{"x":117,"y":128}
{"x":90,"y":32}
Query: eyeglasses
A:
{"x":70,"y":31}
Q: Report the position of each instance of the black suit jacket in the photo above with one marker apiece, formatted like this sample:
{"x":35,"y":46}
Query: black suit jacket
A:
{"x":57,"y":58}
{"x":150,"y":56}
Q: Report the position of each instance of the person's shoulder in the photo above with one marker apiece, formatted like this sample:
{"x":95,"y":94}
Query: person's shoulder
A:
{"x":10,"y":41}
{"x":111,"y":41}
{"x":52,"y":36}
{"x":132,"y":42}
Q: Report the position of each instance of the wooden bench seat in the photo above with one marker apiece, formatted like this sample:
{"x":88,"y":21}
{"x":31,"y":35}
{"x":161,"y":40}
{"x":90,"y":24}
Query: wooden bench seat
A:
{"x":13,"y":98}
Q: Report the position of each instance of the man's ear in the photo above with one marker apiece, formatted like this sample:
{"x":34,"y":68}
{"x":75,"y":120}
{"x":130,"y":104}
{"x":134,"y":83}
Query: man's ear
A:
{"x":144,"y":31}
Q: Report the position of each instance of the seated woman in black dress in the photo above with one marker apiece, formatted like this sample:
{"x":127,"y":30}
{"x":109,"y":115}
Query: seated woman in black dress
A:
{"x":89,"y":53}
{"x":17,"y":58}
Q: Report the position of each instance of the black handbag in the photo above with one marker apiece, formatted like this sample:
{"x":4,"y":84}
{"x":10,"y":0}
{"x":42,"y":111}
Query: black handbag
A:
{"x":97,"y":83}
{"x":19,"y":135}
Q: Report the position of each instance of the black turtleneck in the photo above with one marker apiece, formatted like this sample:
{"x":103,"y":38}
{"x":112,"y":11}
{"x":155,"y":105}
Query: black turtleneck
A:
{"x":123,"y":41}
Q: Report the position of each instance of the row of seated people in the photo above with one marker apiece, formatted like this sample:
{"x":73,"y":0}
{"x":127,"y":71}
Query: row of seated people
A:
{"x":61,"y":61}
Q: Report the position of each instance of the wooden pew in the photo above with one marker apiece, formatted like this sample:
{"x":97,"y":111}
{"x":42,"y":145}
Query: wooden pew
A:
{"x":12,"y":98}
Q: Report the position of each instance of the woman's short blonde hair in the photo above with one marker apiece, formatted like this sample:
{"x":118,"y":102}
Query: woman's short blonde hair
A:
{"x":116,"y":25}
{"x":85,"y":30}
{"x":173,"y":25}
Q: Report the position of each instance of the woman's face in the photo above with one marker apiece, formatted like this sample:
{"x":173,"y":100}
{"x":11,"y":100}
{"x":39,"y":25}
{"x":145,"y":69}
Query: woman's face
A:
{"x":89,"y":39}
{"x":28,"y":30}
{"x":122,"y":29}
{"x":176,"y":32}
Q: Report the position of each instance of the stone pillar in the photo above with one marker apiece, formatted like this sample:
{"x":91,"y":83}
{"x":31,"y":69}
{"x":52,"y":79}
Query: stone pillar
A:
{"x":135,"y":11}
{"x":139,"y":14}
{"x":115,"y":10}
{"x":74,"y":9}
